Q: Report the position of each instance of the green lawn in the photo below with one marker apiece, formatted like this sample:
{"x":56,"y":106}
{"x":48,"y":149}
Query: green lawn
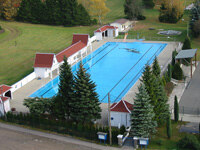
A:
{"x":160,"y":140}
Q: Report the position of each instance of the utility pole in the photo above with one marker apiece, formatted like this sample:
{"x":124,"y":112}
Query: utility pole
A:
{"x":110,"y":130}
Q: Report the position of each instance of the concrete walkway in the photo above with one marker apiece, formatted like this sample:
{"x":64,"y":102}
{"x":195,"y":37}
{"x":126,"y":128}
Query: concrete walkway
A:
{"x":67,"y":139}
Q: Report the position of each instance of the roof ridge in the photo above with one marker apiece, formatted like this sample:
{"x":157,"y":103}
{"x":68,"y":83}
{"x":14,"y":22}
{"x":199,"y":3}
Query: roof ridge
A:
{"x":126,"y":106}
{"x":69,"y":47}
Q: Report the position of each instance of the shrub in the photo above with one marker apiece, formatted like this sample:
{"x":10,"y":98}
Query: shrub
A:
{"x":0,"y":28}
{"x":122,"y":129}
{"x":189,"y":142}
{"x":169,"y":72}
{"x":187,"y":43}
{"x":177,"y":72}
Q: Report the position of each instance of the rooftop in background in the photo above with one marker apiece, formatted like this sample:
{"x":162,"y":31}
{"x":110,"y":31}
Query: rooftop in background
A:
{"x":4,"y":88}
{"x":44,"y":60}
{"x":104,"y":28}
{"x":80,"y":37}
{"x":122,"y":106}
{"x":190,"y":53}
{"x":121,"y":21}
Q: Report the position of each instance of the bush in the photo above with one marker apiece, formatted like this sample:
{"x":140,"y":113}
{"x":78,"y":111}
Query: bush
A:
{"x":187,"y":44}
{"x":177,"y":72}
{"x":122,"y":129}
{"x":0,"y":28}
{"x":141,"y":17}
{"x":189,"y":142}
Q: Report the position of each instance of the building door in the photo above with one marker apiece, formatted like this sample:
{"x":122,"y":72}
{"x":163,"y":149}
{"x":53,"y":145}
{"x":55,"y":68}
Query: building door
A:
{"x":113,"y":33}
{"x":106,"y":33}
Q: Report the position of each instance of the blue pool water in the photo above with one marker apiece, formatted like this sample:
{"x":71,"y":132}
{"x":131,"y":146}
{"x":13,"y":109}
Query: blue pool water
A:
{"x":113,"y":68}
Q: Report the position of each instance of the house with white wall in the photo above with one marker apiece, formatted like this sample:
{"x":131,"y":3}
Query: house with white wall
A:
{"x":120,"y":113}
{"x":106,"y":31}
{"x":45,"y":64}
{"x":122,"y":24}
{"x":5,"y":96}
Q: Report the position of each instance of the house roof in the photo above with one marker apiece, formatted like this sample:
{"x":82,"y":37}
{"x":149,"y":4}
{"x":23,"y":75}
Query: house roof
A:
{"x":44,"y":60}
{"x":121,"y":21}
{"x":4,"y":88}
{"x":104,"y":28}
{"x":80,"y":37}
{"x":122,"y":106}
{"x":4,"y":98}
{"x":70,"y":50}
{"x":190,"y":53}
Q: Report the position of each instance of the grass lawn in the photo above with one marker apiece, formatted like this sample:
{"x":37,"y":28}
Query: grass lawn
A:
{"x":160,"y":140}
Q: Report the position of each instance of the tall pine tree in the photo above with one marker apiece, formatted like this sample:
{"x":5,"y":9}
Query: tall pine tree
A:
{"x":142,"y":115}
{"x":176,"y":109}
{"x":156,"y":68}
{"x":86,"y":105}
{"x":65,"y":89}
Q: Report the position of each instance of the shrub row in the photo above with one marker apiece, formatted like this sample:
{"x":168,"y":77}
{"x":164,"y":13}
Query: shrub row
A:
{"x":86,"y":131}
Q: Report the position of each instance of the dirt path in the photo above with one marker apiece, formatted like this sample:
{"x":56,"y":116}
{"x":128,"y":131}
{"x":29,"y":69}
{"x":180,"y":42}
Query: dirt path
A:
{"x":13,"y":33}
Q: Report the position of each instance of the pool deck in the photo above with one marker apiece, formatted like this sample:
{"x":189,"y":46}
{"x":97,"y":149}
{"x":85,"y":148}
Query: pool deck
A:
{"x":164,"y":58}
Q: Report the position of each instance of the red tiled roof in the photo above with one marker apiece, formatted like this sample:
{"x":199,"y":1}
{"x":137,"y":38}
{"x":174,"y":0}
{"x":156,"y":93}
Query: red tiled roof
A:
{"x":122,"y":106}
{"x":80,"y":37}
{"x":70,"y":51}
{"x":104,"y":28}
{"x":44,"y":60}
{"x":4,"y":88}
{"x":4,"y":98}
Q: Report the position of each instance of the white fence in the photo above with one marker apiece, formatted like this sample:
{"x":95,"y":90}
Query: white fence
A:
{"x":92,"y":39}
{"x":23,"y":82}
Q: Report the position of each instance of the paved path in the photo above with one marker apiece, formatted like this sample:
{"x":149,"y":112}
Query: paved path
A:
{"x":78,"y":144}
{"x":190,"y":101}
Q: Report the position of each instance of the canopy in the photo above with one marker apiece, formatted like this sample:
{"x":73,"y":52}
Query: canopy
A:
{"x":190,"y":53}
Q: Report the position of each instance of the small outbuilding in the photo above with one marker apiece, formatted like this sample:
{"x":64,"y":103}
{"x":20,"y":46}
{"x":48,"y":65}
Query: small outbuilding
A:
{"x":120,"y":113}
{"x":5,"y":96}
{"x":106,"y":31}
{"x":45,"y":64}
{"x":122,"y":24}
{"x":188,"y":54}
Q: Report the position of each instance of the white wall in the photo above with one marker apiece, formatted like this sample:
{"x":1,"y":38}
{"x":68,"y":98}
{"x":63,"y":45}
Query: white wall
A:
{"x":120,"y":118}
{"x":7,"y":105}
{"x":1,"y":109}
{"x":42,"y":72}
{"x":117,"y":25}
{"x":92,"y":39}
{"x":98,"y":35}
{"x":23,"y":81}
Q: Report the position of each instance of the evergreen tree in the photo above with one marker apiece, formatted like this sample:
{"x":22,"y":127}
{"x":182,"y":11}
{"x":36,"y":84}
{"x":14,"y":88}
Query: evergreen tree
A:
{"x":174,"y":53}
{"x":65,"y":89}
{"x":187,"y":43}
{"x":177,"y":72}
{"x":142,"y":115}
{"x":148,"y":3}
{"x":24,"y":12}
{"x":169,"y":72}
{"x":169,"y":128}
{"x":161,"y":107}
{"x":86,"y":105}
{"x":176,"y":109}
{"x":156,"y":68}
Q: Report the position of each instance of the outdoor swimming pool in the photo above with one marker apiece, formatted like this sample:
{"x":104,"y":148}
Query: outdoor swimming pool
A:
{"x":114,"y":67}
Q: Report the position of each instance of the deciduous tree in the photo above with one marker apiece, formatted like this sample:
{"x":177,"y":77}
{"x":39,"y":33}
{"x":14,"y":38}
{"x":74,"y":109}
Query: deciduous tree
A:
{"x":98,"y":9}
{"x":133,"y":9}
